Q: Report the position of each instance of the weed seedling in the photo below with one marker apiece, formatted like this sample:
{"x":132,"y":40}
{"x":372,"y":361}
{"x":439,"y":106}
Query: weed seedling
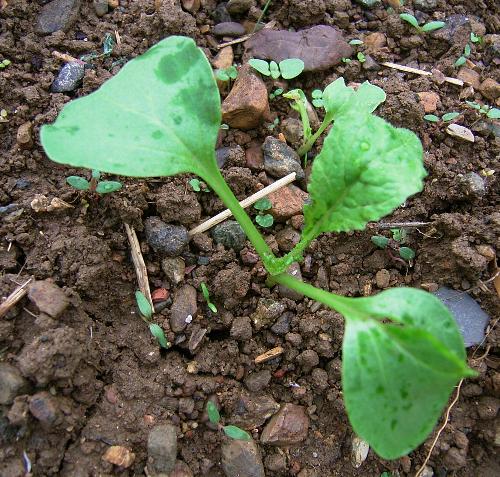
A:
{"x":428,"y":27}
{"x":198,"y":186}
{"x":488,"y":111}
{"x":234,"y":432}
{"x":395,"y":244}
{"x":432,"y":118}
{"x":287,"y":69}
{"x":317,"y":98}
{"x":272,"y":126}
{"x":277,"y":92}
{"x":94,"y":185}
{"x":463,"y":59}
{"x":264,"y":220}
{"x":476,"y":38}
{"x":361,"y":57}
{"x":206,"y":295}
{"x":227,"y":74}
{"x":4,"y":64}
{"x":146,"y":312}
{"x":402,"y":351}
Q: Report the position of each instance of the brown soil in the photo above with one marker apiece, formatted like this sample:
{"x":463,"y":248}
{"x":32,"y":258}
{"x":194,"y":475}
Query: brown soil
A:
{"x":103,"y":372}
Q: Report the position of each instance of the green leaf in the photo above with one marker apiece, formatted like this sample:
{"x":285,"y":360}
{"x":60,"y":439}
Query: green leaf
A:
{"x":399,"y":235}
{"x":232,"y":72}
{"x":318,"y":103}
{"x":212,"y":307}
{"x":467,"y":50}
{"x":158,"y":333}
{"x":461,"y":61}
{"x":159,"y":116}
{"x":195,"y":185}
{"x":473,"y":104}
{"x":221,"y":75}
{"x":432,"y":26}
{"x":265,"y":220}
{"x":379,"y":240}
{"x":397,"y":377}
{"x":263,"y":204}
{"x":450,"y":116}
{"x":410,"y":19}
{"x":78,"y":182}
{"x":432,"y":118}
{"x":291,"y":68}
{"x":493,"y":113}
{"x":317,"y":94}
{"x":407,"y":253}
{"x":274,"y":69}
{"x":205,"y":292}
{"x":365,"y":170}
{"x":260,"y":65}
{"x":96,"y":174}
{"x":106,"y":187}
{"x":361,"y":57}
{"x":143,"y":305}
{"x":356,"y":42}
{"x":213,"y":413}
{"x":236,"y":433}
{"x":475,"y":38}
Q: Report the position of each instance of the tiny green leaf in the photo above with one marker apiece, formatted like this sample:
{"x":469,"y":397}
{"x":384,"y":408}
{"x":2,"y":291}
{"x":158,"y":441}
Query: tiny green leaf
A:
{"x":432,"y":118}
{"x":274,"y":69}
{"x":260,"y":65}
{"x":450,"y":116}
{"x":410,"y":19}
{"x":106,"y":187}
{"x":317,"y":94}
{"x":222,"y":75}
{"x":475,"y":38}
{"x":232,"y":72}
{"x":236,"y":433}
{"x":356,"y":42}
{"x":78,"y":182}
{"x":467,"y":50}
{"x":291,"y":68}
{"x":96,"y":174}
{"x":380,"y":241}
{"x":493,"y":113}
{"x":432,"y":26}
{"x":473,"y":104}
{"x":212,"y":307}
{"x":213,"y":413}
{"x":263,"y":204}
{"x":265,"y":221}
{"x":318,"y":103}
{"x":461,"y":61}
{"x":406,"y":253}
{"x":361,"y":57}
{"x":158,"y":333}
{"x":195,"y":185}
{"x":399,"y":235}
{"x":346,"y":60}
{"x":143,"y":305}
{"x":205,"y":292}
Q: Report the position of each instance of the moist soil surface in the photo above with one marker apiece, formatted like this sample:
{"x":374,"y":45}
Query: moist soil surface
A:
{"x":94,"y":375}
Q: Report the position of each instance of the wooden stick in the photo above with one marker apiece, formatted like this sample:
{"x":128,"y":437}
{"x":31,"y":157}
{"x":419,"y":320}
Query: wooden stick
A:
{"x":409,"y":69}
{"x":385,"y":225}
{"x":66,"y":57}
{"x":268,"y":355}
{"x":244,"y":203}
{"x":270,"y":24}
{"x":14,"y":297}
{"x":140,"y":266}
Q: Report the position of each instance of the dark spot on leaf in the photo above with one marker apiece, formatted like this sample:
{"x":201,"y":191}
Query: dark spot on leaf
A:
{"x":404,"y":393}
{"x":176,"y":65}
{"x":380,"y":389}
{"x":71,"y":129}
{"x":393,"y":424}
{"x":157,"y":134}
{"x":177,"y":120}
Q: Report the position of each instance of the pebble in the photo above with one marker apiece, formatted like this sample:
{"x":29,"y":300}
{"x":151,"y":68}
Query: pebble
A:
{"x":231,"y":29}
{"x":285,"y":292}
{"x":429,"y":101}
{"x":425,"y":5}
{"x":120,"y":456}
{"x":275,"y":463}
{"x":375,"y":41}
{"x":461,"y":132}
{"x":280,"y":159}
{"x":359,"y":451}
{"x":370,"y":64}
{"x":69,"y":77}
{"x":57,"y":15}
{"x":43,"y":407}
{"x":383,"y":278}
{"x":469,"y":77}
{"x":48,"y":297}
{"x":258,"y":381}
{"x":224,"y":58}
{"x":254,"y":158}
{"x":490,"y":89}
{"x":191,"y":5}
{"x":319,"y":47}
{"x":287,"y":202}
{"x":230,"y":157}
{"x":292,"y":130}
{"x":282,"y":325}
{"x":288,"y":427}
{"x":253,"y":411}
{"x":165,"y":238}
{"x":24,"y":136}
{"x":162,"y":449}
{"x":457,"y":27}
{"x":308,"y":359}
{"x":267,"y":312}
{"x":181,"y":469}
{"x":174,"y":269}
{"x":237,"y":7}
{"x":470,"y":317}
{"x":196,"y":338}
{"x":241,"y":459}
{"x":184,"y":308}
{"x":230,"y":234}
{"x":12,"y":384}
{"x":221,"y":15}
{"x":100,"y":7}
{"x":247,"y":103}
{"x":473,"y":185}
{"x":241,"y":329}
{"x":369,"y":3}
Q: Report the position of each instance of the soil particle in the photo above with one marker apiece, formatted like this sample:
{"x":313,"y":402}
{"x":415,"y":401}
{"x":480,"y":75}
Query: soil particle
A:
{"x":24,"y":136}
{"x":177,"y":205}
{"x":165,"y":238}
{"x":359,"y":451}
{"x":48,"y":298}
{"x":267,"y":311}
{"x":69,"y":77}
{"x":58,"y":15}
{"x":11,"y":383}
{"x":250,"y":412}
{"x":231,"y":29}
{"x":175,"y":20}
{"x":454,"y":459}
{"x":241,"y":329}
{"x":490,"y":89}
{"x":288,"y":427}
{"x":230,"y":157}
{"x":254,"y":159}
{"x":285,"y":292}
{"x":473,"y":185}
{"x":184,"y":308}
{"x":43,"y":406}
{"x":230,"y":234}
{"x":220,"y":14}
{"x":280,"y":159}
{"x":162,"y":449}
{"x":425,"y":5}
{"x":232,"y":284}
{"x":319,"y":379}
{"x":487,"y":407}
{"x":181,"y":469}
{"x":429,"y":100}
{"x":383,"y":278}
{"x":241,"y":459}
{"x":174,"y":269}
{"x":237,"y":7}
{"x":308,"y":359}
{"x":119,"y":456}
{"x":293,"y":131}
{"x":287,"y":202}
{"x":282,"y":325}
{"x":469,"y":77}
{"x":100,"y":7}
{"x":258,"y":381}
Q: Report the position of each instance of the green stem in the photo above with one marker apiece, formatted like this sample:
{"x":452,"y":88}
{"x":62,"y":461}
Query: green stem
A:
{"x":306,"y":147}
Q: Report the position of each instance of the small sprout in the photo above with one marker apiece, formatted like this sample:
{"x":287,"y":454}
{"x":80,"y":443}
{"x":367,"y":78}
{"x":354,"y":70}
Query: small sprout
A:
{"x":144,"y":306}
{"x":78,"y":182}
{"x":428,"y":27}
{"x":474,"y":105}
{"x":5,"y":63}
{"x":361,"y":57}
{"x":227,"y":74}
{"x":224,"y":127}
{"x":94,"y":185}
{"x":276,"y":93}
{"x":410,"y":19}
{"x":406,"y":253}
{"x":213,"y":413}
{"x":380,"y":241}
{"x":488,"y":111}
{"x":399,"y":235}
{"x":461,"y":61}
{"x":467,"y":50}
{"x":317,"y":100}
{"x":346,"y":60}
{"x":493,"y":113}
{"x":475,"y":38}
{"x":272,"y":126}
{"x":236,"y":433}
{"x":264,"y":220}
{"x":195,"y":185}
{"x":106,"y":187}
{"x":432,"y":26}
{"x":287,"y":69}
{"x":355,"y":42}
{"x":432,"y":118}
{"x":206,"y":295}
{"x":263,"y":204}
{"x":449,"y":116}
{"x":158,"y":333}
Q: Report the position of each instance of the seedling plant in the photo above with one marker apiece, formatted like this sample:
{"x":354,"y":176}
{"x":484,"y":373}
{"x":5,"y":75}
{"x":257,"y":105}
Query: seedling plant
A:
{"x":160,"y":116}
{"x":427,"y":28}
{"x":206,"y":295}
{"x":4,"y":64}
{"x":95,"y":184}
{"x":198,"y":186}
{"x":227,"y":74}
{"x":463,"y":59}
{"x":488,"y":111}
{"x":287,"y":69}
{"x":447,"y":117}
{"x":396,"y":244}
{"x":146,"y":312}
{"x":234,"y":432}
{"x":277,"y":92}
{"x":263,"y":219}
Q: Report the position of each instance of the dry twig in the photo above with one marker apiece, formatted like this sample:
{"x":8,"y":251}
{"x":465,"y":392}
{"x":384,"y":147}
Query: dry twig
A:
{"x":409,"y":69}
{"x":14,"y":297}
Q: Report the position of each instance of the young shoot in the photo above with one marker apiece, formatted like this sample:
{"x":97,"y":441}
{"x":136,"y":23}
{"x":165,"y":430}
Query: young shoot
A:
{"x":366,"y":168}
{"x":206,"y":295}
{"x":428,"y":27}
{"x":263,"y":219}
{"x":198,"y":186}
{"x":277,"y":92}
{"x":488,"y":111}
{"x":395,"y":244}
{"x":146,"y":312}
{"x":94,"y":185}
{"x":234,"y":432}
{"x":4,"y":64}
{"x":463,"y":59}
{"x":287,"y":69}
{"x":432,"y":118}
{"x":227,"y":74}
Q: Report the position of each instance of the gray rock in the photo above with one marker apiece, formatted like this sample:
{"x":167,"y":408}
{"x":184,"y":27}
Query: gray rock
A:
{"x":253,"y":411}
{"x":369,"y":3}
{"x":181,"y":469}
{"x":267,"y":312}
{"x":69,"y":77}
{"x":48,"y":297}
{"x":425,"y":5}
{"x":471,"y":319}
{"x":370,"y":64}
{"x":230,"y":157}
{"x":57,"y":15}
{"x":282,"y":325}
{"x":280,"y":159}
{"x":285,"y":292}
{"x":12,"y":384}
{"x":232,"y":29}
{"x":221,"y":15}
{"x":197,"y":335}
{"x":184,"y":308}
{"x":473,"y":185}
{"x":241,"y":329}
{"x":258,"y":381}
{"x":174,"y":269}
{"x":288,"y":427}
{"x":308,"y":359}
{"x":230,"y":234}
{"x":162,"y":449}
{"x":43,"y":406}
{"x":237,"y":7}
{"x":293,"y":130}
{"x":241,"y":459}
{"x":100,"y":7}
{"x":287,"y":238}
{"x":165,"y":238}
{"x":319,"y":47}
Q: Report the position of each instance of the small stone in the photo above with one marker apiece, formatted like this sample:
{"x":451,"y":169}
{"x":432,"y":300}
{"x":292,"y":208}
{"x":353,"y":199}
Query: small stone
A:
{"x":267,"y":312}
{"x":58,"y":15}
{"x":247,"y":103}
{"x":181,"y":469}
{"x":191,"y":5}
{"x":370,"y":64}
{"x":258,"y":381}
{"x":224,"y":58}
{"x":174,"y":269}
{"x":293,"y":130}
{"x":487,"y":407}
{"x":196,"y":338}
{"x":490,"y":89}
{"x":308,"y":359}
{"x":383,"y":278}
{"x":221,"y":15}
{"x":184,"y":308}
{"x":473,"y":185}
{"x":12,"y":384}
{"x":241,"y":329}
{"x":456,"y":30}
{"x":427,"y":472}
{"x":24,"y":136}
{"x":275,"y":463}
{"x":425,"y":5}
{"x":375,"y":41}
{"x":165,"y":238}
{"x":120,"y":456}
{"x":285,"y":292}
{"x":486,"y":251}
{"x":461,"y":132}
{"x":253,"y":411}
{"x":230,"y":157}
{"x":100,"y":7}
{"x":280,"y":159}
{"x":288,"y":427}
{"x":69,"y":77}
{"x":359,"y":452}
{"x":254,"y":158}
{"x":469,"y":77}
{"x":287,"y":202}
{"x":241,"y":459}
{"x":231,"y":29}
{"x":43,"y":407}
{"x":429,"y":101}
{"x":282,"y":325}
{"x":162,"y":449}
{"x":287,"y":238}
{"x":237,"y":7}
{"x":48,"y":297}
{"x":230,"y":234}
{"x":470,"y":317}
{"x":369,"y":3}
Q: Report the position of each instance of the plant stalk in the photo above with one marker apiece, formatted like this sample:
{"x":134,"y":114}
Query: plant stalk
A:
{"x":306,"y":147}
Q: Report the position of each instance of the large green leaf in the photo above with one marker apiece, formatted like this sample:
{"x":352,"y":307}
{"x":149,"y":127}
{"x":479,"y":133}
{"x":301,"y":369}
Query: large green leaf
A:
{"x":366,"y":169}
{"x":158,"y":116}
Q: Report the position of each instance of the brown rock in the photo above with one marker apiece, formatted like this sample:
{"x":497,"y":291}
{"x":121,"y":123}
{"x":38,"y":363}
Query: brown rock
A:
{"x":181,"y":469}
{"x":247,"y":103}
{"x":191,"y":5}
{"x":490,"y":89}
{"x":319,"y":47}
{"x":24,"y":138}
{"x":375,"y":41}
{"x":183,"y":309}
{"x":287,"y":202}
{"x":119,"y":455}
{"x":469,"y":77}
{"x":241,"y":459}
{"x":224,"y":58}
{"x":43,"y":406}
{"x":254,"y":157}
{"x":383,"y":278}
{"x":48,"y":297}
{"x":288,"y":427}
{"x":429,"y":101}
